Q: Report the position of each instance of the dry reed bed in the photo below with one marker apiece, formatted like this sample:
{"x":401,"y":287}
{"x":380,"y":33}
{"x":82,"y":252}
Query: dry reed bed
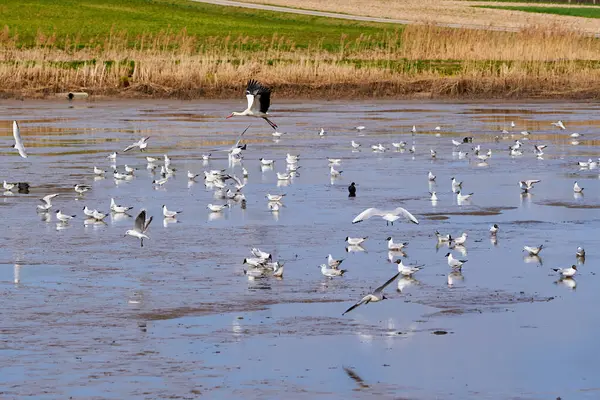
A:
{"x":420,"y":60}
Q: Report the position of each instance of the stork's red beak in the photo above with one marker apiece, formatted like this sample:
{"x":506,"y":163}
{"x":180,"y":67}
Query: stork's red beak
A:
{"x":229,"y":116}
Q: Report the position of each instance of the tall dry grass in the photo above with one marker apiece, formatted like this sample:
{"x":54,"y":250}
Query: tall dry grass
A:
{"x":420,"y":59}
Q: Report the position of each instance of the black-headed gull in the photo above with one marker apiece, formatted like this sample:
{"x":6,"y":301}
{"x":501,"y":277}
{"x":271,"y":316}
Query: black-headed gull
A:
{"x":142,"y":144}
{"x":355,"y":241}
{"x":331,"y":272}
{"x":407,"y":270}
{"x":18,"y":141}
{"x":169,"y":214}
{"x":389,"y":216}
{"x":533,"y":251}
{"x":395,"y":246}
{"x":566,"y":272}
{"x":455,"y":263}
{"x":375,"y":296}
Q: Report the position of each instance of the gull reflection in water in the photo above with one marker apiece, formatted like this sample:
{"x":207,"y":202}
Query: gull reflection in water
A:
{"x":17,"y":274}
{"x":567,"y":282}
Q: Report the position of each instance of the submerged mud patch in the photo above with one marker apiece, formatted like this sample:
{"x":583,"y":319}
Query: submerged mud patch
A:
{"x":477,"y":213}
{"x":568,"y":205}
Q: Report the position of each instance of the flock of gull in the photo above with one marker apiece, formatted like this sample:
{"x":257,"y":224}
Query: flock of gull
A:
{"x":229,"y":192}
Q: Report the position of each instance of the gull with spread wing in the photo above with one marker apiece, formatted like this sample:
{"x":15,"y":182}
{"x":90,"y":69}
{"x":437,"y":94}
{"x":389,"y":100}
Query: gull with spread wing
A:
{"x":374,"y":297}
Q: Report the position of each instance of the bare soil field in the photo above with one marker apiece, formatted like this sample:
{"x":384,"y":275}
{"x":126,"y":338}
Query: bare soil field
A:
{"x":447,"y":12}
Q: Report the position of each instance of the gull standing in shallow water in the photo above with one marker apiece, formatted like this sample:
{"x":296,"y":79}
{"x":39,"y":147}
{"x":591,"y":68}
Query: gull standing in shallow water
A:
{"x":140,"y":227}
{"x":169,"y":214}
{"x":114,"y":207}
{"x":63,"y":217}
{"x":331,"y":272}
{"x":388,"y":216}
{"x":407,"y":270}
{"x":455,"y":263}
{"x":395,"y":246}
{"x":374,"y":297}
{"x":494,"y":229}
{"x":333,"y":263}
{"x":566,"y":272}
{"x":355,"y":241}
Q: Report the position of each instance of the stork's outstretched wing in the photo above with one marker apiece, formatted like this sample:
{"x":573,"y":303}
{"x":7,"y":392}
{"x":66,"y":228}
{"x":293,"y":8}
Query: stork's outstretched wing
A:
{"x":261,"y":96}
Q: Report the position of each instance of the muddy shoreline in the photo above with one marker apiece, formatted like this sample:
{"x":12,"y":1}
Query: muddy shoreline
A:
{"x":434,"y":89}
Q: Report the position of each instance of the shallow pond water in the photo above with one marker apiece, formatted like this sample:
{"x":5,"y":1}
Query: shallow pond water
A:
{"x":87,"y":313}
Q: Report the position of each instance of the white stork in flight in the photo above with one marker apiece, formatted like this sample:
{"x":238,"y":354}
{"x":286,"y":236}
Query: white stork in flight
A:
{"x":259,"y":100}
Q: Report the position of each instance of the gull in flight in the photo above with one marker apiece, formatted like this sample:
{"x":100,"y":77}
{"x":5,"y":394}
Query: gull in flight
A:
{"x":374,"y":297}
{"x":566,"y":272}
{"x":331,"y":272}
{"x":577,"y":188}
{"x":142,"y":144}
{"x":355,"y":241}
{"x":114,"y":207}
{"x":47,"y":202}
{"x":169,"y":214}
{"x":527,"y":185}
{"x":395,"y":246}
{"x":455,"y":263}
{"x":140,"y":227}
{"x":533,"y":251}
{"x":388,"y":216}
{"x":259,"y":100}
{"x":18,"y":142}
{"x":559,"y":124}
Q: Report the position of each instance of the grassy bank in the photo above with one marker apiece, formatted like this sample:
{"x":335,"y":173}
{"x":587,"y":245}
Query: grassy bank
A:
{"x":586,"y":12}
{"x":187,"y":50}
